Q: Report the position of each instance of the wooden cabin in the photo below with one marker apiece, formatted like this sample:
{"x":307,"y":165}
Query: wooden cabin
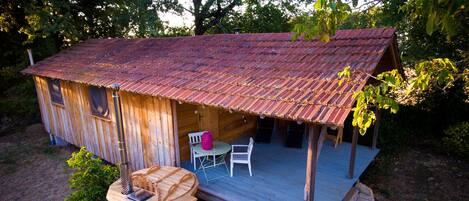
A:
{"x":222,"y":83}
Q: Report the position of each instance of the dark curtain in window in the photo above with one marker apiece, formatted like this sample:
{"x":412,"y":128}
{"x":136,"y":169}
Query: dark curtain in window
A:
{"x":55,"y":91}
{"x":98,"y":101}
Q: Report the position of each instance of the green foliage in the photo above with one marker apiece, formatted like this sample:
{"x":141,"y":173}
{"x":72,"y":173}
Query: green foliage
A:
{"x":264,"y":18}
{"x":414,"y":42}
{"x":345,"y":74}
{"x":361,"y":19}
{"x":373,"y":96}
{"x":20,"y":100}
{"x":410,"y":19}
{"x":326,"y":18}
{"x":72,"y":21}
{"x":91,"y":178}
{"x":456,"y":139}
{"x":178,"y":31}
{"x":257,"y":18}
{"x":439,"y":14}
{"x":437,"y":72}
{"x":441,"y":72}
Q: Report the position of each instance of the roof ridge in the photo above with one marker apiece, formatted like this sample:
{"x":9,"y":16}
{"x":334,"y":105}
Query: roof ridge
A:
{"x":388,"y":29}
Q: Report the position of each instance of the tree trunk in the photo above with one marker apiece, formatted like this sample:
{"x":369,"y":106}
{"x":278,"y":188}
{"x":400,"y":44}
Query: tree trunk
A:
{"x":199,"y":26}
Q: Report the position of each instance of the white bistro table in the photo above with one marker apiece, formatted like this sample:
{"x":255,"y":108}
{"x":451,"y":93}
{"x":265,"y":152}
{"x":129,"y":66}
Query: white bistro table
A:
{"x":212,"y":158}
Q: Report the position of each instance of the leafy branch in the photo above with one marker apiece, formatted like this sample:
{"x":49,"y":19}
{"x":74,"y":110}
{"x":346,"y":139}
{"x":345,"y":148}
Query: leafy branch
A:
{"x":439,"y":72}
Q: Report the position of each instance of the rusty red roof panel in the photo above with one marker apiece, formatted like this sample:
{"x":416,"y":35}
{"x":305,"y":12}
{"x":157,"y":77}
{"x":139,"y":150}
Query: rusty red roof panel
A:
{"x":264,"y":74}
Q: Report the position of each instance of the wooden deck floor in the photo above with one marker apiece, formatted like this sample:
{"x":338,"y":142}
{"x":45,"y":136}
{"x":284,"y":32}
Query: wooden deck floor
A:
{"x":279,"y":173}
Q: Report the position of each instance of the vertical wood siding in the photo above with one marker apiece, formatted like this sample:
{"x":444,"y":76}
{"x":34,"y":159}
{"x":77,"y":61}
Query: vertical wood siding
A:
{"x":148,"y":124}
{"x":187,"y":122}
{"x":225,"y":126}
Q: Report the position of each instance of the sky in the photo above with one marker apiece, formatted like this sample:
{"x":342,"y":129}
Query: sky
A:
{"x":175,"y":20}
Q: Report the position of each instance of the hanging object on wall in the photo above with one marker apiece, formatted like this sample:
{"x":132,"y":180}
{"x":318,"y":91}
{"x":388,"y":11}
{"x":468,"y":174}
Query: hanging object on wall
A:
{"x":207,"y":140}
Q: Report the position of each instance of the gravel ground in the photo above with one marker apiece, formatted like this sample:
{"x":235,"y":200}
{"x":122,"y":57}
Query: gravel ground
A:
{"x":31,"y":169}
{"x":421,"y":174}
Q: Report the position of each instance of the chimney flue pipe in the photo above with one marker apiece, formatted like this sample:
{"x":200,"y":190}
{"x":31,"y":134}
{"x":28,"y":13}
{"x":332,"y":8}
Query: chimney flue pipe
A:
{"x":237,"y":30}
{"x":126,"y":180}
{"x":30,"y":55}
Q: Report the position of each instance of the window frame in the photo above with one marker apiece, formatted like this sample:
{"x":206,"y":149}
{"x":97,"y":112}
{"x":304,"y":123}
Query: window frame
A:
{"x":53,"y":93}
{"x":103,"y":102}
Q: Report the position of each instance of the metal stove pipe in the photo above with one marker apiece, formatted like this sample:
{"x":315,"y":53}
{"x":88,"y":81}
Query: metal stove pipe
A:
{"x":126,"y":180}
{"x":31,"y":62}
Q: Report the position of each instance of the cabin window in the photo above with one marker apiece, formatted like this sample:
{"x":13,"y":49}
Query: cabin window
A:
{"x":98,"y":101}
{"x":55,"y":91}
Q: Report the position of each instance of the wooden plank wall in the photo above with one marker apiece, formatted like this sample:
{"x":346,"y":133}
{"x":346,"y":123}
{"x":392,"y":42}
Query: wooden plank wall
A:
{"x":147,"y":121}
{"x":187,"y":122}
{"x":232,"y":125}
{"x":225,"y":126}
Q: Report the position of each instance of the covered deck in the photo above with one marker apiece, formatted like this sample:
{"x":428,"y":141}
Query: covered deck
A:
{"x":279,"y":173}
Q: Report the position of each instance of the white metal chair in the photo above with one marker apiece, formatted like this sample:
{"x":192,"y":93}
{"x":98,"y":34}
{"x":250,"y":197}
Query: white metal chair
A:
{"x":194,"y":139}
{"x":243,"y":156}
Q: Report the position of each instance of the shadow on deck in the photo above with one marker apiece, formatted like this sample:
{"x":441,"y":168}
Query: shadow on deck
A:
{"x":279,"y":173}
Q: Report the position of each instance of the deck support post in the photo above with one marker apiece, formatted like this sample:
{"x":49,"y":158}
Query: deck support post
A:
{"x":353,"y":152}
{"x":311,"y":164}
{"x":322,"y":136}
{"x":176,"y":133}
{"x":126,"y":180}
{"x":376,"y":128}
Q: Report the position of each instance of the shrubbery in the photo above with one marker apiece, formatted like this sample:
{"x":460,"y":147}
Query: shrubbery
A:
{"x":91,"y":178}
{"x":456,"y":139}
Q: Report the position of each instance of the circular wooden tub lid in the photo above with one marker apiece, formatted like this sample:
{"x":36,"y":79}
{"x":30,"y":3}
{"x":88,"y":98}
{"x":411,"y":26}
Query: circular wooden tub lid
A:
{"x":167,"y":183}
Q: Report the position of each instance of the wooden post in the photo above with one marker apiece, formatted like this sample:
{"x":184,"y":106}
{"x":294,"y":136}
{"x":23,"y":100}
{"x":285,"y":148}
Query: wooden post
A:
{"x":311,"y":164}
{"x":176,"y":133}
{"x":353,"y":152}
{"x":376,"y":128}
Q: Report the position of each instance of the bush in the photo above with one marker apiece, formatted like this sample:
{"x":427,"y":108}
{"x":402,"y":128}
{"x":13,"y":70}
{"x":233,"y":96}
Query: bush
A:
{"x":91,"y":178}
{"x":456,"y":139}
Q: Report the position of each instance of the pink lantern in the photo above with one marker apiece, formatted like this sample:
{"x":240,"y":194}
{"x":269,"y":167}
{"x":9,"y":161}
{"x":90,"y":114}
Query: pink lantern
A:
{"x":207,"y":141}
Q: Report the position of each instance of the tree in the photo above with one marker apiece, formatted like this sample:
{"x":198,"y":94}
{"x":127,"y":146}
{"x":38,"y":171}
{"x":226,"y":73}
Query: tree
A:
{"x":210,"y":13}
{"x":257,"y":18}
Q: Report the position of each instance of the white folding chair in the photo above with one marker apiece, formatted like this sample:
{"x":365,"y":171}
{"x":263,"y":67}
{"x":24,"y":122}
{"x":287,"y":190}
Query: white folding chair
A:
{"x":243,"y":156}
{"x":194,"y":139}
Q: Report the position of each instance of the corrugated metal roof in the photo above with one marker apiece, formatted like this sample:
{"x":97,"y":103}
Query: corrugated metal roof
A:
{"x":264,"y":74}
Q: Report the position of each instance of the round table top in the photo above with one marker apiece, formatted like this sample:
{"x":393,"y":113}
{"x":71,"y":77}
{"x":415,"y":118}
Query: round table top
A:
{"x":219,"y":148}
